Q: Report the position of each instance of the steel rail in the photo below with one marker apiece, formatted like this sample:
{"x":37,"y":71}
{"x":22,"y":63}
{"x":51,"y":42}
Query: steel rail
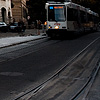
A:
{"x":37,"y":88}
{"x":87,"y":86}
{"x":27,"y":53}
{"x":92,"y":80}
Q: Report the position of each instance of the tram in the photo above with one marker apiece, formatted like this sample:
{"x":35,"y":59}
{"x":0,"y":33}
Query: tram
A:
{"x":68,"y":17}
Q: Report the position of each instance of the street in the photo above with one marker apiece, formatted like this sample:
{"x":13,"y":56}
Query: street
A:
{"x":24,"y":66}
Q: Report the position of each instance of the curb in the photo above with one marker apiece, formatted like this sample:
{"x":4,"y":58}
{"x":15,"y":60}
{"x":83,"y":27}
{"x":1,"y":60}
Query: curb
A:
{"x":22,"y":42}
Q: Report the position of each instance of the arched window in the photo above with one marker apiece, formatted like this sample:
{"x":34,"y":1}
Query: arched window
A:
{"x":3,"y":11}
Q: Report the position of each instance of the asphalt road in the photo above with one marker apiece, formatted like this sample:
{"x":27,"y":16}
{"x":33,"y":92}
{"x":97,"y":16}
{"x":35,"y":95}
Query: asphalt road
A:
{"x":31,"y":63}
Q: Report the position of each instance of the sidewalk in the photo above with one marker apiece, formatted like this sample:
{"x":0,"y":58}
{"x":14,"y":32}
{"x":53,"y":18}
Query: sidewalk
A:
{"x":13,"y":38}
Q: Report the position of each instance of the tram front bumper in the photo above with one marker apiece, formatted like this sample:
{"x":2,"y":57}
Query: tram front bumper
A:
{"x":56,"y":31}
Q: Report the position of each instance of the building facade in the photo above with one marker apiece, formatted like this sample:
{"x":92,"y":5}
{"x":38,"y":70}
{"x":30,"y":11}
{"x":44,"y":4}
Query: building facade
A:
{"x":5,"y":11}
{"x":19,"y":11}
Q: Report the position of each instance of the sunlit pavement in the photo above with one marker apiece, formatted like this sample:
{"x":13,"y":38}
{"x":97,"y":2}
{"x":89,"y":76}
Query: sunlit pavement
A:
{"x":12,"y":38}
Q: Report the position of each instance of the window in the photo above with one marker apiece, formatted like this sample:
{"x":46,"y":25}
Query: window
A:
{"x":72,"y":14}
{"x":90,"y":17}
{"x":83,"y":16}
{"x":56,"y":13}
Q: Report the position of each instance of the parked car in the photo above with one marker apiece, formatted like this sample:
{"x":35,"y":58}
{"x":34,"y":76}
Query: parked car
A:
{"x":15,"y":27}
{"x":3,"y":27}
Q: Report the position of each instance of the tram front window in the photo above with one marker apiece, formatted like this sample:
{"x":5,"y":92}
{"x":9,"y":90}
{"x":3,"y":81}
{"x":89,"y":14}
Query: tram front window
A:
{"x":56,"y":13}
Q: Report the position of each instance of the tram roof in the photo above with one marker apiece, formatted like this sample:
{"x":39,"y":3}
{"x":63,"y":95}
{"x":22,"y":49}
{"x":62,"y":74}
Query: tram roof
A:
{"x":73,"y":5}
{"x":69,"y":4}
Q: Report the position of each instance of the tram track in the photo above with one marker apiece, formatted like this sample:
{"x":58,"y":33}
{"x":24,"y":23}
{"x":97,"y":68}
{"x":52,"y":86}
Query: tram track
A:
{"x":26,"y":50}
{"x":83,"y":92}
{"x":28,"y":94}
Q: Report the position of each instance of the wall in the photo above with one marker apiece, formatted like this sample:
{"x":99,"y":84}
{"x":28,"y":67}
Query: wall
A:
{"x":5,"y":11}
{"x":19,"y":11}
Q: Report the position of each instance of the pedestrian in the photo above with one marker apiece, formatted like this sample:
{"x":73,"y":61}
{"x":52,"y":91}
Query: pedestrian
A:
{"x":14,"y":20}
{"x":29,"y":21}
{"x":39,"y":24}
{"x":21,"y":25}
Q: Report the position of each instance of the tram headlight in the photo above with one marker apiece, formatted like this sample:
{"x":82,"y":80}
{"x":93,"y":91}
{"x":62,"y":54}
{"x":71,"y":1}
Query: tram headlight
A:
{"x":45,"y":23}
{"x":56,"y":27}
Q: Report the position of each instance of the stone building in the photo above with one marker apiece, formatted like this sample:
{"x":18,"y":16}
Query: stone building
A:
{"x":19,"y":11}
{"x":5,"y":11}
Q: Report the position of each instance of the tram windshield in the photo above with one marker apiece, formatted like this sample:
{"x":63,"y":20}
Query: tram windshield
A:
{"x":56,"y":13}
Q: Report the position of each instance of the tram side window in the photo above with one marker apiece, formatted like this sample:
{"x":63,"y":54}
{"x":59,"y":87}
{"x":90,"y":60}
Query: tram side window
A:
{"x":90,"y":17}
{"x":83,"y":17}
{"x":95,"y":19}
{"x":72,"y":14}
{"x":69,"y":14}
